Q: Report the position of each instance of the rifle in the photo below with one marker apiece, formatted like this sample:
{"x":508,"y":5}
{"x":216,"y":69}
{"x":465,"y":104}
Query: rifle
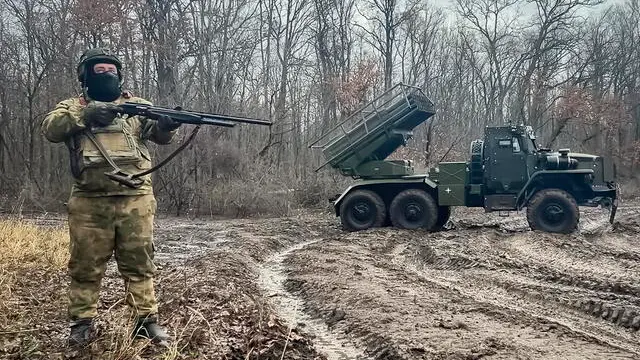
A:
{"x":185,"y":116}
{"x":177,"y":114}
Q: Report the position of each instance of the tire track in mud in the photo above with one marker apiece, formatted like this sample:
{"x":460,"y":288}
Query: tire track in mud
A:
{"x":503,"y":307}
{"x":614,"y":301}
{"x":541,"y":287}
{"x":376,"y":344}
{"x":272,"y":281}
{"x":616,"y":289}
{"x":571,"y":265}
{"x":597,"y":301}
{"x":411,"y":319}
{"x":610,"y":308}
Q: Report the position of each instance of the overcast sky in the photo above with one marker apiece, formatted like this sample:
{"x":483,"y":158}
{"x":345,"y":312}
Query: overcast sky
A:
{"x":449,"y":5}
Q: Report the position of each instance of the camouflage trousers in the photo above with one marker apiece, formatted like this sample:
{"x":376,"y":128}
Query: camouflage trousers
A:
{"x":100,"y":227}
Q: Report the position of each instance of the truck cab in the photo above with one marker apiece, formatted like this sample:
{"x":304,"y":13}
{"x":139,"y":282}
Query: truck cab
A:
{"x":508,"y":171}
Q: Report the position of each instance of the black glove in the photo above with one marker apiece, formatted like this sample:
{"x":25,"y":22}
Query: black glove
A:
{"x":98,"y":113}
{"x":166,"y":123}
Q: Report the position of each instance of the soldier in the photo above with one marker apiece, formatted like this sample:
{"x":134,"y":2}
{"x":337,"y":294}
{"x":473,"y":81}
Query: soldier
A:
{"x":105,"y":216}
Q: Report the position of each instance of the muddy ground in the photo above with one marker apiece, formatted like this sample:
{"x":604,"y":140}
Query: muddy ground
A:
{"x":301,"y":288}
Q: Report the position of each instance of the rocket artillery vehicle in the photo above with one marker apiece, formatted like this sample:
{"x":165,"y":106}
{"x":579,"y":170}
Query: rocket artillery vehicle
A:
{"x":506,"y":171}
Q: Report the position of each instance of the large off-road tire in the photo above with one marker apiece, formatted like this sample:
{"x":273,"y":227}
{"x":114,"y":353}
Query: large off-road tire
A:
{"x":413,"y":209}
{"x":444,"y":213}
{"x":362,"y":209}
{"x":554,"y":211}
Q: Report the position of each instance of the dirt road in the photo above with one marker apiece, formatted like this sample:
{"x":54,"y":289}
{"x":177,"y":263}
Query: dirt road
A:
{"x":496,"y":291}
{"x":487,"y":288}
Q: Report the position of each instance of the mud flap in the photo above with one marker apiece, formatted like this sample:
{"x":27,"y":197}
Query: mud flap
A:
{"x":614,"y":208}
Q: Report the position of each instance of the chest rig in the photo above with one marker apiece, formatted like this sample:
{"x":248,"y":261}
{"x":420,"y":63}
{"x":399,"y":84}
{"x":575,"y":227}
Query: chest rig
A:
{"x":112,"y":146}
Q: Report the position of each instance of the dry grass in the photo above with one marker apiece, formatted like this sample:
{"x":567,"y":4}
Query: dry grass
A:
{"x":27,"y":252}
{"x":26,"y":245}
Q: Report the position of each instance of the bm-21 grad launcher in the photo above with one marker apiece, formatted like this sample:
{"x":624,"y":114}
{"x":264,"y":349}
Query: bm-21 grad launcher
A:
{"x":506,"y":171}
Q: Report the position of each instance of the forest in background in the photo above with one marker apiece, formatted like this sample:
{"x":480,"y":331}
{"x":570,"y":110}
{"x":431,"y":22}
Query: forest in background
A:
{"x":568,"y":68}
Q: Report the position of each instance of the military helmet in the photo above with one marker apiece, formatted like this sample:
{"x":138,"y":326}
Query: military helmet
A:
{"x":94,"y":56}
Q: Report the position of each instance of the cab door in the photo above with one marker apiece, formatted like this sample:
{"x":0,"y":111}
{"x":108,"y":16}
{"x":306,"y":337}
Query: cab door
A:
{"x":507,"y":168}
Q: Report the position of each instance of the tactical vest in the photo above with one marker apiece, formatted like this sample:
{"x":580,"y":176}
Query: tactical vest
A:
{"x":117,"y":139}
{"x":122,"y":144}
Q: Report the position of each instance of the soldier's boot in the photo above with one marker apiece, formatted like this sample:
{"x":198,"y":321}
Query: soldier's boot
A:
{"x":148,"y":328}
{"x":80,"y":334}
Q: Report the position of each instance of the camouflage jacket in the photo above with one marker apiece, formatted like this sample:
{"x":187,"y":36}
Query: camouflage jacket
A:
{"x":124,"y":141}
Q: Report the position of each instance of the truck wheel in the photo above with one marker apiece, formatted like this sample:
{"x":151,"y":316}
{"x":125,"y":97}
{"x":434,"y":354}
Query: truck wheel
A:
{"x":444,"y":213}
{"x":362,"y":209}
{"x":553,"y":210}
{"x":413,"y":209}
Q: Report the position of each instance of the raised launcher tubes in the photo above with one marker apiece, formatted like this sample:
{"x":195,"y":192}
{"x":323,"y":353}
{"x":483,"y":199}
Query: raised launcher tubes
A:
{"x":358,"y":145}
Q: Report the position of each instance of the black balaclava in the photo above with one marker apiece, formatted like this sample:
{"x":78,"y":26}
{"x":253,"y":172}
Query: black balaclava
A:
{"x":103,"y":87}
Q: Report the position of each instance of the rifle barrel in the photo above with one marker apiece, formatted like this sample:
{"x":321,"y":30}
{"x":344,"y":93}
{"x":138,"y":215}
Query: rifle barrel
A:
{"x":209,"y":121}
{"x":187,"y":116}
{"x":233,"y":118}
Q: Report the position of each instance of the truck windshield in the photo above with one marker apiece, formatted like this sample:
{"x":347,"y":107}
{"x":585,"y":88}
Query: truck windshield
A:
{"x":529,"y":140}
{"x":530,"y":144}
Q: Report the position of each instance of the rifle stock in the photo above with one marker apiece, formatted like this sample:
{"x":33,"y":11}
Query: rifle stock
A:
{"x":186,"y":116}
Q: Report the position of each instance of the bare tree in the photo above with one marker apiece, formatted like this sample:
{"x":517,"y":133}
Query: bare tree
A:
{"x":333,"y":44}
{"x":498,"y":27}
{"x":288,"y":24}
{"x":553,"y":29}
{"x":384,"y":18}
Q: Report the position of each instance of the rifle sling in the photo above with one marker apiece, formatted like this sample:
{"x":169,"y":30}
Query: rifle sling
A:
{"x":131,"y":180}
{"x":172,"y":155}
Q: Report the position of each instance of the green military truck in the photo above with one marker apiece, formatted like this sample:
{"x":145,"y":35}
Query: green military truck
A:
{"x":506,"y":171}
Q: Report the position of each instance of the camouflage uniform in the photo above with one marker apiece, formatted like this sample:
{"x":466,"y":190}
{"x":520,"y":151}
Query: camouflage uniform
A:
{"x":105,"y":216}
